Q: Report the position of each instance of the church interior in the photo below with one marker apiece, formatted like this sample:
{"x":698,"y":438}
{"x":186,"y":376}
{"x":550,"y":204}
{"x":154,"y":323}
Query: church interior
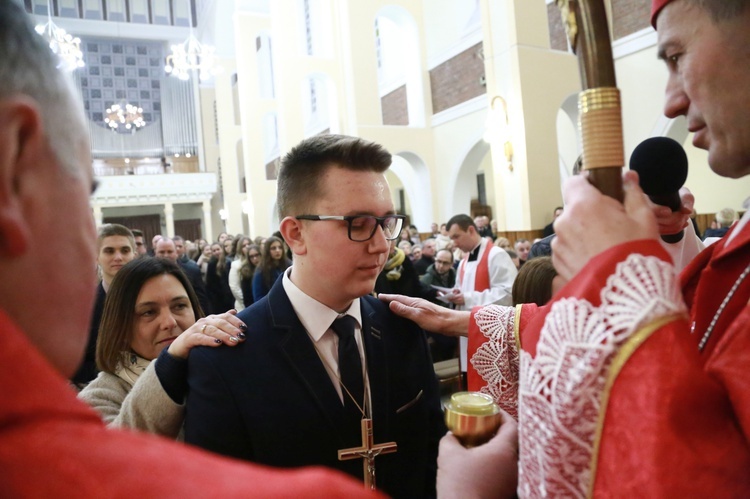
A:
{"x":191,"y":104}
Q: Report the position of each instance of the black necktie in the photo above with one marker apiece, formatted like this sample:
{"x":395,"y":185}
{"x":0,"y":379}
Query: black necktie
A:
{"x":350,"y":367}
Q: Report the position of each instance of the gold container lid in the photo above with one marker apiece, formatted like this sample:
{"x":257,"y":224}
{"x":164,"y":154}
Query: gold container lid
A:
{"x":472,"y":417}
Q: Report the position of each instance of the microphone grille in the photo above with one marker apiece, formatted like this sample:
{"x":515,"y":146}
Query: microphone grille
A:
{"x":661,"y":164}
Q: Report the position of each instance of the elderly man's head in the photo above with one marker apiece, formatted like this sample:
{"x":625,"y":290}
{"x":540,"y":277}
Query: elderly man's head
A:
{"x":45,"y":167}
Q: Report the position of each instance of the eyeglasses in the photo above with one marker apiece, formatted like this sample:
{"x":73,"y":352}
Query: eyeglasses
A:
{"x":363,"y":227}
{"x":253,"y":255}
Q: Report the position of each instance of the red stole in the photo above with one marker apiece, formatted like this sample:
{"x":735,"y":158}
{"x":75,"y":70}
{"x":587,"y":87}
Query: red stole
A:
{"x":482,"y":274}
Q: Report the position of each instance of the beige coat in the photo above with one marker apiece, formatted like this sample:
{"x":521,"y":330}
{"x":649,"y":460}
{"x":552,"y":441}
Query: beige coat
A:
{"x":145,"y":406}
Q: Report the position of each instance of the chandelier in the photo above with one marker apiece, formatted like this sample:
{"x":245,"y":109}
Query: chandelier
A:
{"x":192,"y":55}
{"x":67,"y":47}
{"x":126,"y":115}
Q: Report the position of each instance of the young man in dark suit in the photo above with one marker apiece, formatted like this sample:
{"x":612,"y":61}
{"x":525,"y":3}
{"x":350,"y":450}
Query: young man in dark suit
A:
{"x":292,"y":395}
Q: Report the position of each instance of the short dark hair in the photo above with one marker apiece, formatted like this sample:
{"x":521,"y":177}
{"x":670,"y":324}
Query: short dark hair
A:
{"x":109,"y":230}
{"x":533,"y":284}
{"x":118,"y":317}
{"x":298,"y":184}
{"x":136,"y":232}
{"x":722,"y":10}
{"x":463,"y":221}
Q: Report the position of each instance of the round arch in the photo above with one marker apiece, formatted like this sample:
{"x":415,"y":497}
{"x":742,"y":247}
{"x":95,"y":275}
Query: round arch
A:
{"x":413,"y":173}
{"x":463,"y":177}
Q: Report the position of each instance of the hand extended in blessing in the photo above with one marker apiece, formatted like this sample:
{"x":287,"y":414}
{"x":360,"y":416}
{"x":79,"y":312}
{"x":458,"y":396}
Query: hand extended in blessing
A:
{"x":429,"y":316}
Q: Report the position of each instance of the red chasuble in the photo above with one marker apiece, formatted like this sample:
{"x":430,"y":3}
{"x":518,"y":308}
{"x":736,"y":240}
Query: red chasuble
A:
{"x":615,"y":398}
{"x":53,"y":445}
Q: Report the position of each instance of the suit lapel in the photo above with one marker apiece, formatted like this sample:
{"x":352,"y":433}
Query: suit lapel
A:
{"x":302,"y":358}
{"x":373,"y":335}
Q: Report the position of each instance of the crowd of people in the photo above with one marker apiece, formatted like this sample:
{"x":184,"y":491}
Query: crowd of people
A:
{"x":616,"y":376}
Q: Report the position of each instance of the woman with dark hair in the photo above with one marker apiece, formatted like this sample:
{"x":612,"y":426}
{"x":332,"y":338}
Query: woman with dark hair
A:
{"x":273,"y":263}
{"x":151,"y":321}
{"x":241,"y":275}
{"x":217,"y":280}
{"x":536,"y":282}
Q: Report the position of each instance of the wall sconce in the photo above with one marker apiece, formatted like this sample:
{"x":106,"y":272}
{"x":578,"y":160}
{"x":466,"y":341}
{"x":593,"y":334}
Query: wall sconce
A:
{"x":224,"y":214}
{"x":497,"y":128}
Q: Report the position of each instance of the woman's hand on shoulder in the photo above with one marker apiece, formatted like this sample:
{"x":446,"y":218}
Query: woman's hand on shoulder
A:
{"x":212,"y":331}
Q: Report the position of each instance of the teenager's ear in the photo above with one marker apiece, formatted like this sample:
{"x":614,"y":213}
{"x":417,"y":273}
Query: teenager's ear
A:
{"x":294,"y":236}
{"x":22,"y":147}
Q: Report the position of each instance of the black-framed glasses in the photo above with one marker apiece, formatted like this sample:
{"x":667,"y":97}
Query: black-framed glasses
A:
{"x":363,"y":227}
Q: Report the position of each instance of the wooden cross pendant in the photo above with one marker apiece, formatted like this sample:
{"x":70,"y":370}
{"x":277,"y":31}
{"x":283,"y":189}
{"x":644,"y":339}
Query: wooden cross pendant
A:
{"x":367,"y":452}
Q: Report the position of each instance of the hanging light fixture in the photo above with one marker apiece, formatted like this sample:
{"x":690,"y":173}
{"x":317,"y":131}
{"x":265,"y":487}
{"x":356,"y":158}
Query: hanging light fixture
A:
{"x":124,"y":115}
{"x":192,"y":55}
{"x":67,"y":47}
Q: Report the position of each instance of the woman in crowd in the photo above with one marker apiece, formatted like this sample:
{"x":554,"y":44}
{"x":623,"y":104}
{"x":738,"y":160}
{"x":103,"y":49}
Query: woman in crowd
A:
{"x":536,"y":282}
{"x":217,"y":280}
{"x":151,"y":321}
{"x":241,"y":275}
{"x":203,"y":260}
{"x":229,"y":249}
{"x":273,"y":263}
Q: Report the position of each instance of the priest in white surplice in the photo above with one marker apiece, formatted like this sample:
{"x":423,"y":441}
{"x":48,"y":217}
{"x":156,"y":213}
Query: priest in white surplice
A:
{"x":485,"y":274}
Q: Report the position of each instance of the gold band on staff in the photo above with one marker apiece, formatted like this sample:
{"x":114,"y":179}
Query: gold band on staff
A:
{"x":600,"y":123}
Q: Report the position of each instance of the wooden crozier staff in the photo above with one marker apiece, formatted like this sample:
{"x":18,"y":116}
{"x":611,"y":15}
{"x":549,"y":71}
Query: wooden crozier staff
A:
{"x":599,"y":115}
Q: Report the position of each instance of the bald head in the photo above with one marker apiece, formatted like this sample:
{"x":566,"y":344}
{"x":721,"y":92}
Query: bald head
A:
{"x":165,"y":248}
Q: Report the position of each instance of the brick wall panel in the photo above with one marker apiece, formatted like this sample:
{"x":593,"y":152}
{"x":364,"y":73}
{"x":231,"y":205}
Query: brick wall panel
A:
{"x":457,"y":80}
{"x":629,"y":16}
{"x":394,"y":107}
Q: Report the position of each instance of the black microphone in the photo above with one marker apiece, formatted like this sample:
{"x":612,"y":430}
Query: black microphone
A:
{"x":662,"y":167}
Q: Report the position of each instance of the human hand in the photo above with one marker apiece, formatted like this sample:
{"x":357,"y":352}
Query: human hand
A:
{"x":429,"y":316}
{"x":456,"y":297}
{"x":210,"y":331}
{"x":673,"y":222}
{"x":593,"y":222}
{"x":489,"y":470}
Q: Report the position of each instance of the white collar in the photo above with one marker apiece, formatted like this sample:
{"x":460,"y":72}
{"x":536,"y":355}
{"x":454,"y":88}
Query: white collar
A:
{"x":314,"y":316}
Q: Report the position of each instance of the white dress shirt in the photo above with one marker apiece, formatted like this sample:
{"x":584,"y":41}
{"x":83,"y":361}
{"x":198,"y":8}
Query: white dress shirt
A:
{"x":317,"y":319}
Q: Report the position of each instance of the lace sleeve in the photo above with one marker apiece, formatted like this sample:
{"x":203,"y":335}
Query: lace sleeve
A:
{"x":495,"y":360}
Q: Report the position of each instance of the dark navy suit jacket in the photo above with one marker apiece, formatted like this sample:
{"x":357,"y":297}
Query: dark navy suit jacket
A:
{"x":271,"y":401}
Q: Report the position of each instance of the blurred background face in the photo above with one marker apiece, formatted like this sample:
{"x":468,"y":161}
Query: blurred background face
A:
{"x":462,"y":239}
{"x":216,"y":250}
{"x":162,"y":312}
{"x":228,"y":243}
{"x":179,"y":246}
{"x":443,"y":261}
{"x":166,"y":249}
{"x":245,"y":245}
{"x":277,"y":251}
{"x":254,"y":256}
{"x":140,"y":245}
{"x":114,"y":252}
{"x":523,"y":250}
{"x":207,"y":251}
